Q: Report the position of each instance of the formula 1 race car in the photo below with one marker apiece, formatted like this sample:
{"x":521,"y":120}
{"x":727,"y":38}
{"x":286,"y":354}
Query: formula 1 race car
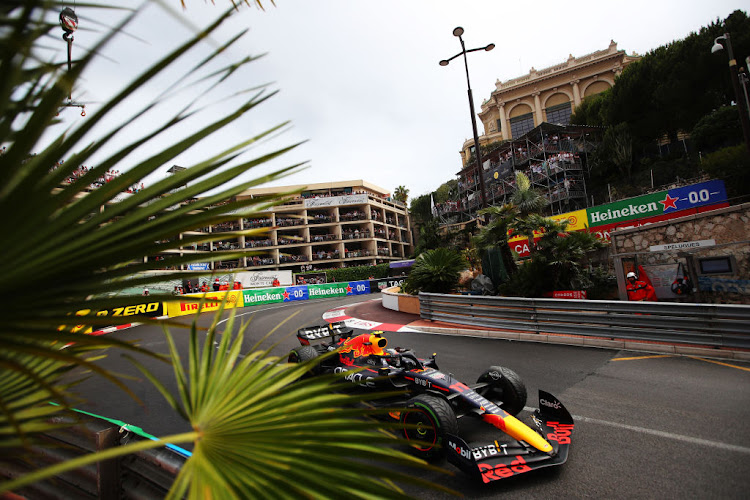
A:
{"x":435,"y":402}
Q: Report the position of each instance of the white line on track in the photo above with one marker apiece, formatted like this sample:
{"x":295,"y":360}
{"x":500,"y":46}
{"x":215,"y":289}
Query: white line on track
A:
{"x":662,"y":434}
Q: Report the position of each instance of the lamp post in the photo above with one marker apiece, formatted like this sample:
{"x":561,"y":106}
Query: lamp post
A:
{"x":733,"y":70}
{"x":477,"y":151}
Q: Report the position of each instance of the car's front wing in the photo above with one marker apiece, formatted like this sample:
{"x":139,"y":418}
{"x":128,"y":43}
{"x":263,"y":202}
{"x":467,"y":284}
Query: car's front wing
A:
{"x":501,"y":460}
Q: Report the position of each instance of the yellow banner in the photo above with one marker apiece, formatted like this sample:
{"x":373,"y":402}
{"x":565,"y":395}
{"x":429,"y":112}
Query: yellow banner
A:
{"x":212,"y":303}
{"x":577,"y":221}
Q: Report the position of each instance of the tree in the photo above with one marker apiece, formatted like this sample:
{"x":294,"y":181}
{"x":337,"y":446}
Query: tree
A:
{"x":436,"y":271}
{"x":401,"y":194}
{"x":495,"y":233}
{"x":68,"y":253}
{"x":527,"y":202}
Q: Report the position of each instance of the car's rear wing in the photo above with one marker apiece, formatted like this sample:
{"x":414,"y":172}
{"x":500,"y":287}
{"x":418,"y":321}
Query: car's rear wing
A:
{"x":334,"y":331}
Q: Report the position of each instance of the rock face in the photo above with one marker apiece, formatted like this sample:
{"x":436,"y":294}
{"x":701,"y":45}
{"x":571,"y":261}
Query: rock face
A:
{"x":728,"y":227}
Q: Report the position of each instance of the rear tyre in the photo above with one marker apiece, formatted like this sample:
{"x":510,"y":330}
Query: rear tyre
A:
{"x":425,"y":422}
{"x":505,"y":388}
{"x":302,"y":354}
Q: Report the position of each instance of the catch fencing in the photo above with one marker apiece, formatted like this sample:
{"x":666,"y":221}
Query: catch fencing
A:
{"x":714,"y":325}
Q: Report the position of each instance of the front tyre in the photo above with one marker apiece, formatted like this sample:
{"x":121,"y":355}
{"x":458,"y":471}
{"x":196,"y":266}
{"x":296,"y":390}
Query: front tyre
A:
{"x":425,"y":422}
{"x":504,"y":388}
{"x":302,"y":354}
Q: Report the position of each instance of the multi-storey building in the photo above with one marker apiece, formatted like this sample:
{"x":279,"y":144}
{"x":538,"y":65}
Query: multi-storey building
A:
{"x":526,"y":127}
{"x":333,"y":224}
{"x":548,"y":95}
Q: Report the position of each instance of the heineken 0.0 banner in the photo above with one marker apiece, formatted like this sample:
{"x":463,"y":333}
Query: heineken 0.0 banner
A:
{"x":303,"y":292}
{"x":338,"y":289}
{"x":655,"y":204}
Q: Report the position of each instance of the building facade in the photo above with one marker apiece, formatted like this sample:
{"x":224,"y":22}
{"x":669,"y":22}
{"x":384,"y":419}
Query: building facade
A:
{"x":527,"y":128}
{"x":549,"y":95}
{"x":335,"y":224}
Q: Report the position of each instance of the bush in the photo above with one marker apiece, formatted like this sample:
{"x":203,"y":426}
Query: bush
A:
{"x":436,"y":271}
{"x":359,"y":273}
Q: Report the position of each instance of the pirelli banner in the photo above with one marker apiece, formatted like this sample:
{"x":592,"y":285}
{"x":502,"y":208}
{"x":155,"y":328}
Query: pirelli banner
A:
{"x":211,"y":303}
{"x":150,"y":309}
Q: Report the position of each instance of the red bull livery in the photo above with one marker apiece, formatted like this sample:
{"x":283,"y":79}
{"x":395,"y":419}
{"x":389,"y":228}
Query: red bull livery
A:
{"x":435,"y":401}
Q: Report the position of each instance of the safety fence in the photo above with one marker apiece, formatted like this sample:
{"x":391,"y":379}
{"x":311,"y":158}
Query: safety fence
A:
{"x":144,"y":475}
{"x":713,"y":325}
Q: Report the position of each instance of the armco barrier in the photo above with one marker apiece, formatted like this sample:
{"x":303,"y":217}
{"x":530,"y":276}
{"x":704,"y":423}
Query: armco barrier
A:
{"x":145,"y":475}
{"x":693,"y":324}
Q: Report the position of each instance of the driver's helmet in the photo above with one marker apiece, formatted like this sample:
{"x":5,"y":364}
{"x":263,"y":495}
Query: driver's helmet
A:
{"x":631,"y":274}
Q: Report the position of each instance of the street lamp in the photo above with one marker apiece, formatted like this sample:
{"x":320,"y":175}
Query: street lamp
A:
{"x":744,"y":117}
{"x":478,"y":155}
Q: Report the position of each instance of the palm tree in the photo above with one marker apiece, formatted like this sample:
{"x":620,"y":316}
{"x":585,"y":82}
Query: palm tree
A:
{"x":436,"y":271}
{"x":527,"y":201}
{"x":401,"y":193}
{"x":73,"y":246}
{"x":495,"y":233}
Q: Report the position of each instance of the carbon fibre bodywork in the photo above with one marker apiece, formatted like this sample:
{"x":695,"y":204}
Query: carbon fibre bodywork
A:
{"x":434,"y":401}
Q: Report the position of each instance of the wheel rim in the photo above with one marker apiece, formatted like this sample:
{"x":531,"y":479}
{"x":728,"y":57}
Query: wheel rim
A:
{"x":420,"y":426}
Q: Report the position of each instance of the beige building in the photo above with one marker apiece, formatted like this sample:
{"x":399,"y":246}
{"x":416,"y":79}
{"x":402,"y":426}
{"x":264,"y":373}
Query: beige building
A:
{"x":332,"y":224}
{"x":547,"y":95}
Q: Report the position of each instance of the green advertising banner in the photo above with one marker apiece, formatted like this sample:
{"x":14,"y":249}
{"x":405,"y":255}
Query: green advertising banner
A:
{"x":263,"y":296}
{"x":639,"y":207}
{"x":327,"y":290}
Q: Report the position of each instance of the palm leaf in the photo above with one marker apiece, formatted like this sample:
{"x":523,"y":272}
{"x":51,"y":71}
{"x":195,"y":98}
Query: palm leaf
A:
{"x":78,"y":256}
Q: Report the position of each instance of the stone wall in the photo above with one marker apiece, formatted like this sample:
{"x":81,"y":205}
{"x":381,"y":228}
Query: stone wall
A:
{"x":728,"y":227}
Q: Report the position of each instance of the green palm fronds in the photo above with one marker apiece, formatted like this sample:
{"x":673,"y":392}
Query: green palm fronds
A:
{"x":257,"y":430}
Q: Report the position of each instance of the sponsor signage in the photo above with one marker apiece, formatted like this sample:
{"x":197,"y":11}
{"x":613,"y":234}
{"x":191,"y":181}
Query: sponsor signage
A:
{"x":634,"y":212}
{"x":332,"y":201}
{"x":577,"y":221}
{"x":212,"y":302}
{"x":263,"y":279}
{"x":603,"y":232}
{"x":198,"y":266}
{"x":654,"y":204}
{"x":267,"y":296}
{"x":682,"y":245}
{"x":338,"y":289}
{"x":295,"y":293}
{"x":327,"y":290}
{"x":382,"y":284}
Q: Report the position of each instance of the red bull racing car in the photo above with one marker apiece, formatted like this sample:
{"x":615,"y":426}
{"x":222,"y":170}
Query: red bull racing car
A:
{"x":437,"y":405}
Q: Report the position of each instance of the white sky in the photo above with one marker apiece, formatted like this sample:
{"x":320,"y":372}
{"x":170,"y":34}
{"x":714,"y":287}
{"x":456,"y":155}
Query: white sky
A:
{"x":360,"y":80}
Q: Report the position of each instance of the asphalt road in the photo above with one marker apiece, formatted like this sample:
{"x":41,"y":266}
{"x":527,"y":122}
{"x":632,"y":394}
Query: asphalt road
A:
{"x":646,"y":426}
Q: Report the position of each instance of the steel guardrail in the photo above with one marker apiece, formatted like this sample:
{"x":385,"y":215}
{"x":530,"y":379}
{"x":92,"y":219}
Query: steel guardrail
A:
{"x":716,"y":325}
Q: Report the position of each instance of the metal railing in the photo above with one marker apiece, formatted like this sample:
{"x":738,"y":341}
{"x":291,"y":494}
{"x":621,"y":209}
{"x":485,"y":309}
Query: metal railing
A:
{"x":145,"y":475}
{"x":714,"y":325}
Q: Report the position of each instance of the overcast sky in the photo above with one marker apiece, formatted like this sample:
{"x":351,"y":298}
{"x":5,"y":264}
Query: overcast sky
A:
{"x":360,"y":80}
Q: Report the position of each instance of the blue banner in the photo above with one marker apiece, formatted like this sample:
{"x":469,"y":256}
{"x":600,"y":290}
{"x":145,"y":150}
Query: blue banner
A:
{"x":358,"y":287}
{"x":296,"y":293}
{"x":695,"y":195}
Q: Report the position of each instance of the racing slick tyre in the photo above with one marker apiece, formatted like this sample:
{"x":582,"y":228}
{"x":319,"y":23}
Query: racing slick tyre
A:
{"x":505,"y":388}
{"x":302,"y":354}
{"x":425,"y":423}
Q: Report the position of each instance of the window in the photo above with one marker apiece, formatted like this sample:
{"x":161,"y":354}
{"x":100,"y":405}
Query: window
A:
{"x":716,"y":265}
{"x":521,"y":124}
{"x":559,"y":114}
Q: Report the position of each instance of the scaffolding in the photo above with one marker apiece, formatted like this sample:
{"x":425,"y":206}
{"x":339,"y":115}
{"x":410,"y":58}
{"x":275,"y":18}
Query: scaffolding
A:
{"x":553,"y":157}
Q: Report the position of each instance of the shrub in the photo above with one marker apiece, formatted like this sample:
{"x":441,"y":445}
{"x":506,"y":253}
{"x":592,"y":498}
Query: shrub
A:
{"x":436,"y":271}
